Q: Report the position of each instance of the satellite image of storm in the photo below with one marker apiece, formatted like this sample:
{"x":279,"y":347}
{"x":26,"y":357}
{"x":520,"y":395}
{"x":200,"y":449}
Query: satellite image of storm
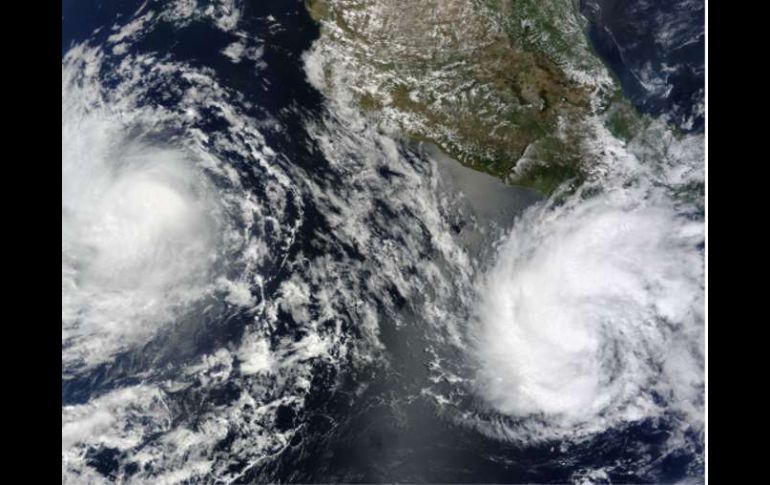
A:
{"x":383,"y":241}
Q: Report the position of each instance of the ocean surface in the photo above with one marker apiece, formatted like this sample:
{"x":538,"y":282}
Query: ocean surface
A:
{"x":376,"y":424}
{"x":656,"y":48}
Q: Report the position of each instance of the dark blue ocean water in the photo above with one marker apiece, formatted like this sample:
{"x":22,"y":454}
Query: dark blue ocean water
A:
{"x":656,"y":48}
{"x":363,"y":438}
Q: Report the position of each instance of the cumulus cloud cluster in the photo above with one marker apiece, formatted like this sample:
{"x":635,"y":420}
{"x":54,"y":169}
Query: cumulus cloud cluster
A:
{"x":139,"y":233}
{"x":592,"y":313}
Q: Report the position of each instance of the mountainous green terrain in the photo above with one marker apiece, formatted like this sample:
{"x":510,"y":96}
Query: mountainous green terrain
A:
{"x":511,"y":88}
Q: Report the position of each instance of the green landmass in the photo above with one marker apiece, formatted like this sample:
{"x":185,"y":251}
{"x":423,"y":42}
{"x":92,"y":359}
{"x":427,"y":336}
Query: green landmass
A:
{"x":511,"y":88}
